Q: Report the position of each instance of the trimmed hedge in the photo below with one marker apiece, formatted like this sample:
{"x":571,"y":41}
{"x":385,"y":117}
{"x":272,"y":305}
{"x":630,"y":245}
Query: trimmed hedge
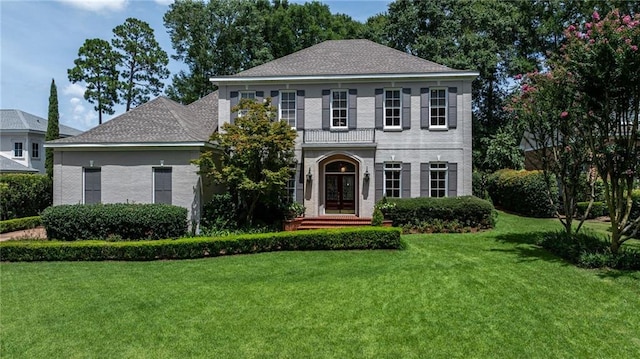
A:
{"x":120,"y":220}
{"x":523,"y":192}
{"x":468,"y":211}
{"x":24,"y":195}
{"x":199,"y":247}
{"x":19,"y":224}
{"x":598,"y":209}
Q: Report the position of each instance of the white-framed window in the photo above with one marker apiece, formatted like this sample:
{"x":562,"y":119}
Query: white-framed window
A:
{"x":248,"y":95}
{"x":438,"y":179}
{"x":392,"y":108}
{"x":339,"y":108}
{"x":288,"y":107}
{"x":17,"y":149}
{"x":438,"y":108}
{"x":35,"y":150}
{"x":392,"y":179}
{"x":291,"y":189}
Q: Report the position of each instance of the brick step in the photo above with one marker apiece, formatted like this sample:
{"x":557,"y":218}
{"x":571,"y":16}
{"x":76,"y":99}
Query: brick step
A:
{"x":333,"y":222}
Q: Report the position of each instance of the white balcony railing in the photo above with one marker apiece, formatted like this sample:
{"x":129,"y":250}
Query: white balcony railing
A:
{"x":359,"y":135}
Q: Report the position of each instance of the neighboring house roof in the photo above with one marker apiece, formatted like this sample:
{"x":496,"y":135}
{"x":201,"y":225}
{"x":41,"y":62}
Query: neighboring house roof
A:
{"x":9,"y":165}
{"x":159,"y":121}
{"x":342,"y":58}
{"x":20,"y":121}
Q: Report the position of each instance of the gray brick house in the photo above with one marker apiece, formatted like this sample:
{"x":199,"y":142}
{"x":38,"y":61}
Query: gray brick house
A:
{"x":371,"y":121}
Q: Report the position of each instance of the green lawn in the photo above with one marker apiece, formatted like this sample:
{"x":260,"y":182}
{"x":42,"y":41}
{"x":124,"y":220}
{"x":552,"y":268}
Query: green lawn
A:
{"x":486,"y":295}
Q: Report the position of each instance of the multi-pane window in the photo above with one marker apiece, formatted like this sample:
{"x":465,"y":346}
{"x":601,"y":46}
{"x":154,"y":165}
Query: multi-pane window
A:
{"x":17,"y":149}
{"x":392,"y":108}
{"x":339,"y":108}
{"x":288,"y":107}
{"x":35,"y":150}
{"x":248,"y":95}
{"x":438,"y":108}
{"x":392,"y":182}
{"x":438,"y":180}
{"x":291,"y":189}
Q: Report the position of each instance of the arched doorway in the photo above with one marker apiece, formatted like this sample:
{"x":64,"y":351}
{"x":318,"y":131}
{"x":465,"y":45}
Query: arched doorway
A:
{"x":340,"y":187}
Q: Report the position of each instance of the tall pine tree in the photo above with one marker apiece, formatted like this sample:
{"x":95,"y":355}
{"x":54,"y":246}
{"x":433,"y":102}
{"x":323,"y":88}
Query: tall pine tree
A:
{"x":53,"y":126}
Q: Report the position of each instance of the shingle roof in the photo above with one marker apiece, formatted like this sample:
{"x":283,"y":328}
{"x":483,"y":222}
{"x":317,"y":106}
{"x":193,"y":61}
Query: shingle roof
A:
{"x":160,"y":120}
{"x":17,"y":120}
{"x":344,"y":57}
{"x":9,"y":165}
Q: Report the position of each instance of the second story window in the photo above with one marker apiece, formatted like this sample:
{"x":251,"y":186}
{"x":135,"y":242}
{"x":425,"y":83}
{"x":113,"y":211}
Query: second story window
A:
{"x":339,"y":108}
{"x":438,"y":108}
{"x":392,"y":108}
{"x":246,"y":95}
{"x":35,"y":150}
{"x":288,"y":107}
{"x":17,"y":149}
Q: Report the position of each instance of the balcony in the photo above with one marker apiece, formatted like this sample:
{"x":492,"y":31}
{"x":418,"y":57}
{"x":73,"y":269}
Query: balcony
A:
{"x":360,"y":137}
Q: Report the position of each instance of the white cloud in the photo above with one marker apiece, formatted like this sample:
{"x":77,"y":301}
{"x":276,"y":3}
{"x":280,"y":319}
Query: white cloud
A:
{"x":97,"y":5}
{"x":74,"y":90}
{"x":81,"y":117}
{"x":164,"y":2}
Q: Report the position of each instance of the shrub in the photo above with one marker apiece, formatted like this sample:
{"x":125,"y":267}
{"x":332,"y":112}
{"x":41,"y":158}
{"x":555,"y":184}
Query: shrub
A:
{"x":598,"y":209}
{"x":18,"y":224}
{"x":523,"y":192}
{"x":378,"y":218}
{"x":333,"y":239}
{"x":589,"y":250}
{"x":480,"y":184}
{"x":468,"y":211}
{"x":24,"y":195}
{"x":100,"y":221}
{"x":219,"y":213}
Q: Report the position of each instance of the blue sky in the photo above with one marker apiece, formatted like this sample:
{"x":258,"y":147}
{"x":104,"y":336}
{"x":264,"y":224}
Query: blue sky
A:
{"x":39,"y":39}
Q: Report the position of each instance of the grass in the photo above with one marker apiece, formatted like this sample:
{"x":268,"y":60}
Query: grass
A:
{"x":483,"y":295}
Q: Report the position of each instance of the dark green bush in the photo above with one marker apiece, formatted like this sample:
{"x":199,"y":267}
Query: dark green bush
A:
{"x":219,"y":213}
{"x":24,"y":195}
{"x":199,"y":247}
{"x":480,"y":182}
{"x":523,"y":192}
{"x":589,"y":250}
{"x":100,"y":221}
{"x":18,"y":224}
{"x":468,"y":211}
{"x":598,"y":209}
{"x":378,"y":217}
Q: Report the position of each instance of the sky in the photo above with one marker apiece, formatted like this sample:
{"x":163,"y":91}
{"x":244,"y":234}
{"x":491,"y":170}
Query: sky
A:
{"x":39,"y":40}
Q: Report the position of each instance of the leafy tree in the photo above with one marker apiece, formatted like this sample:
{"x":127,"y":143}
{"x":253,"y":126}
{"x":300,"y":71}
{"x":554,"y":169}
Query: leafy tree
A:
{"x":96,"y":66}
{"x":257,"y":157}
{"x":143,"y":62}
{"x":503,"y":151}
{"x":53,"y":127}
{"x":604,"y":57}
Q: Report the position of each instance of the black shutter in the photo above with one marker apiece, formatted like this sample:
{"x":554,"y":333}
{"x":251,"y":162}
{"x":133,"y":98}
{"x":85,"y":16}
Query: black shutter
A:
{"x":300,"y":110}
{"x":424,"y":107}
{"x":453,"y":107}
{"x":92,"y":186}
{"x":406,"y":180}
{"x":379,"y":179}
{"x":299,"y":184}
{"x":162,"y":185}
{"x":453,"y":180}
{"x":326,"y":108}
{"x":406,"y":108}
{"x":233,"y":99}
{"x":379,"y":117}
{"x":352,"y":118}
{"x":275,"y":102}
{"x":424,"y":180}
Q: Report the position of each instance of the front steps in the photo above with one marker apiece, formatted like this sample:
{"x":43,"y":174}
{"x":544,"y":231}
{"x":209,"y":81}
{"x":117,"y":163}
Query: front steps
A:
{"x":333,"y":222}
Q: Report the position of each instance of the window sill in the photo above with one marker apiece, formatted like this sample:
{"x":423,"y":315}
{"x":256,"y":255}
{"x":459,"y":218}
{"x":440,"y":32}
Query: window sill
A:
{"x":339,"y":129}
{"x":445,"y":128}
{"x":392,"y":129}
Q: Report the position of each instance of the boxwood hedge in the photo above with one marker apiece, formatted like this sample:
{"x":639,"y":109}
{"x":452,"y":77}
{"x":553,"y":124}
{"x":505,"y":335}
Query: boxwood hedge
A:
{"x":523,"y":192}
{"x":199,"y":247}
{"x":19,"y":224}
{"x":469,"y":211}
{"x":102,"y":221}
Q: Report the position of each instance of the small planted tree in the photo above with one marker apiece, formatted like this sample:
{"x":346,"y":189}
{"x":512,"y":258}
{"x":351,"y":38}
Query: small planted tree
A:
{"x":53,"y":127}
{"x":257,"y":158}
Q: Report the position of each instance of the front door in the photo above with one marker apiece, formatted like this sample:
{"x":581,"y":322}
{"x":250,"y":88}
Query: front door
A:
{"x":340,"y":193}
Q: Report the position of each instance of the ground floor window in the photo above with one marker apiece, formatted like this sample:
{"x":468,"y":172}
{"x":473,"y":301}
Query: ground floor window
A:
{"x":291,"y":189}
{"x":438,"y":180}
{"x":162,"y":185}
{"x":92,"y":185}
{"x":392,"y":182}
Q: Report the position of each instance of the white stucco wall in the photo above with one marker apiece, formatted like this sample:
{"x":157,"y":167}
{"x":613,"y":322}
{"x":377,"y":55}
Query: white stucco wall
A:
{"x":7,"y":140}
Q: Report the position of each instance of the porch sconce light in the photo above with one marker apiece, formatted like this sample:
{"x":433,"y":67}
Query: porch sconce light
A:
{"x":309,"y":176}
{"x":161,"y":163}
{"x":90,"y":163}
{"x":366,"y":174}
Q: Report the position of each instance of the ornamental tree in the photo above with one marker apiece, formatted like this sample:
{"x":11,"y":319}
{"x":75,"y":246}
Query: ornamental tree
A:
{"x":53,"y":127}
{"x":257,"y":158}
{"x":604,"y":58}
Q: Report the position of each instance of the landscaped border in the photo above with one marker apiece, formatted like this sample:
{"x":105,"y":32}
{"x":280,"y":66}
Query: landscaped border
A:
{"x":19,"y":224}
{"x":199,"y":247}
